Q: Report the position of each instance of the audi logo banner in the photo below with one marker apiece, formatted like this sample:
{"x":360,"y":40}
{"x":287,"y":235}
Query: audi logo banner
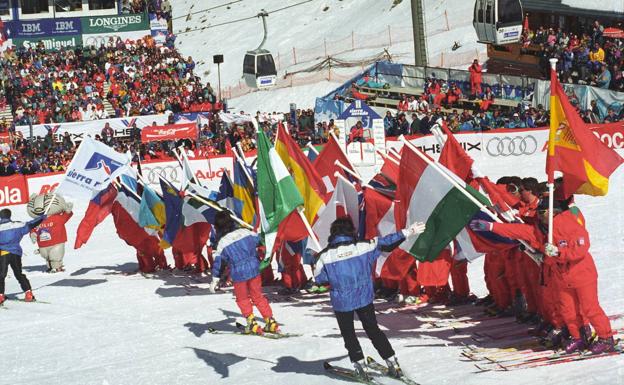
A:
{"x":517,"y":145}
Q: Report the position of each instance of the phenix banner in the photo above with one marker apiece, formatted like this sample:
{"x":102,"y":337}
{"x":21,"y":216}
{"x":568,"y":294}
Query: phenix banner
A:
{"x":93,"y":168}
{"x":168,"y":132}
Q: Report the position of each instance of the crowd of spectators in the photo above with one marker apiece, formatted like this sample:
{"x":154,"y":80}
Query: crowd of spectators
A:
{"x":585,"y":55}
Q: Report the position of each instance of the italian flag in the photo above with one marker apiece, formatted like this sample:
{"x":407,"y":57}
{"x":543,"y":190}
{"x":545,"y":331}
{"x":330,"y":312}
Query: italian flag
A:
{"x":278,"y":196}
{"x":426,"y":195}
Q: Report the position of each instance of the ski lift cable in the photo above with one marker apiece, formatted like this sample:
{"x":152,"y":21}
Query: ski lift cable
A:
{"x":243,"y":19}
{"x":206,"y":10}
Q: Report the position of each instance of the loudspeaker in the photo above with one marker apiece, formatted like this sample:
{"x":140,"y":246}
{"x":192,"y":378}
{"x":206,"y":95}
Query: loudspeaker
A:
{"x":217,"y":59}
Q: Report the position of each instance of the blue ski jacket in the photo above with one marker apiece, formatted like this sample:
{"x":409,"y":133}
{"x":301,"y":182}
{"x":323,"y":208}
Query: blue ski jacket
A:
{"x":237,"y":249}
{"x":347,"y":265}
{"x":11,"y":233}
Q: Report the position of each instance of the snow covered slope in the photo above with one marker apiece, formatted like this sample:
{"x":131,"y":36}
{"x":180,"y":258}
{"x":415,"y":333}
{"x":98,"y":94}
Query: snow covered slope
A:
{"x":102,"y":327}
{"x":306,"y":30}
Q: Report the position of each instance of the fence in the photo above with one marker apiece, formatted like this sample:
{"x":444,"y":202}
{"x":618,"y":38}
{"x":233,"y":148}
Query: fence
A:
{"x":503,"y":86}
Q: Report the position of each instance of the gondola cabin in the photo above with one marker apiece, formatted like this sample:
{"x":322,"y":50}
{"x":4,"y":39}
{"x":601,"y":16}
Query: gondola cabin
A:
{"x":498,"y":21}
{"x":259,"y":69}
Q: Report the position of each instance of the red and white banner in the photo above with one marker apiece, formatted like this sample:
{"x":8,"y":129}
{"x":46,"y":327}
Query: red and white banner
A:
{"x":168,"y":132}
{"x":611,"y":134}
{"x":13,"y":190}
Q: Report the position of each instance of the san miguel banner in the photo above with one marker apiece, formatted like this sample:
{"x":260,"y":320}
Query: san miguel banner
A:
{"x":55,"y":34}
{"x":169,"y":132}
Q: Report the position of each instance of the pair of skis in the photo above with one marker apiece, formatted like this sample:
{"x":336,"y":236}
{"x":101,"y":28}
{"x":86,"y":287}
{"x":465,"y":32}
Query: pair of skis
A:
{"x":241,"y":331}
{"x":377,"y":370}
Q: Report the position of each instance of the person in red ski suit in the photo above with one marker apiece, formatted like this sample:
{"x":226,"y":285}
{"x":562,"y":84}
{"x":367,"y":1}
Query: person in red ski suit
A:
{"x":475,"y":77}
{"x":572,"y":267}
{"x":237,"y":247}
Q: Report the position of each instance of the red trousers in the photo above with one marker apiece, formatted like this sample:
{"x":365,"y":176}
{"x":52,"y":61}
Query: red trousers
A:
{"x":249,"y":293}
{"x":529,"y":281}
{"x":496,"y":278}
{"x":459,"y":278}
{"x":150,"y":255}
{"x":435,"y":273}
{"x":293,"y":276}
{"x":409,"y":284}
{"x":583,"y":299}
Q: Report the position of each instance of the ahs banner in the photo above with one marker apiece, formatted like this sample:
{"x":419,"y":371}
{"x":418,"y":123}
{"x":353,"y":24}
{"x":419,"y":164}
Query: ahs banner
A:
{"x":93,"y":168}
{"x":169,"y":132}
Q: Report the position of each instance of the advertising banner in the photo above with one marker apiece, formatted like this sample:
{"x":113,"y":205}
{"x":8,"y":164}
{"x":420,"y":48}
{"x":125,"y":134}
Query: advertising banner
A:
{"x":99,"y":39}
{"x":13,"y":190}
{"x":114,"y":23}
{"x":157,"y":23}
{"x":611,"y":134}
{"x":50,"y":43}
{"x":29,"y":29}
{"x":122,"y":127}
{"x":170,"y":131}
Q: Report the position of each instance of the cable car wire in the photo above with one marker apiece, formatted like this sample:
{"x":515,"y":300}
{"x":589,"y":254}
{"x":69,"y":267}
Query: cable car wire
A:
{"x":205,"y":10}
{"x":242,"y":19}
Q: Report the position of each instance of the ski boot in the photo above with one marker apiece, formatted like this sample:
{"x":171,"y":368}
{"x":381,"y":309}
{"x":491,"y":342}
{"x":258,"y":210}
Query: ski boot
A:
{"x":602,"y":345}
{"x":2,"y":299}
{"x":360,"y":372}
{"x":252,"y":326}
{"x":575,"y":345}
{"x":394,"y":369}
{"x":556,"y":338}
{"x":28,"y":296}
{"x":411,"y":300}
{"x":270,"y":326}
{"x":587,"y":335}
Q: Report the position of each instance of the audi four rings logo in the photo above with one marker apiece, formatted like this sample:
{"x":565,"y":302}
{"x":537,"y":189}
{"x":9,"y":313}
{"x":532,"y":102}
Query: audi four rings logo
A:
{"x":168,"y":172}
{"x":512,"y":146}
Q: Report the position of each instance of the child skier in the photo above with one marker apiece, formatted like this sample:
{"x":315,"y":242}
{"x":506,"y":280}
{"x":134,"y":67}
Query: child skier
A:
{"x":347,"y":265}
{"x":236,"y":247}
{"x":11,"y":233}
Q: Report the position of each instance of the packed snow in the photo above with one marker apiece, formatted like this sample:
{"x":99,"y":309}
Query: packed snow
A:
{"x":102,"y":327}
{"x":306,"y":26}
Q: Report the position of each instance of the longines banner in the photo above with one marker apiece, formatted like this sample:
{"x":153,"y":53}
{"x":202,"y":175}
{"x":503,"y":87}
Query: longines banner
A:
{"x":115,"y":23}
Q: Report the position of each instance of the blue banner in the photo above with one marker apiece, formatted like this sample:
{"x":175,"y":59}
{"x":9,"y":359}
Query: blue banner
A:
{"x":43,"y":28}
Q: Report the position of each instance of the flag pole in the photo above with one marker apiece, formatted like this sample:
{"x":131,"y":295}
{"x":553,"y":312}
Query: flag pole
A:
{"x":309,"y":228}
{"x":348,"y":170}
{"x":343,"y":151}
{"x":551,"y":150}
{"x":386,"y":157}
{"x":311,"y":148}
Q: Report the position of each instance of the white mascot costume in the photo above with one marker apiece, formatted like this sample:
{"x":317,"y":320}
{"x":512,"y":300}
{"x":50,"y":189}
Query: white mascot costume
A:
{"x":50,"y":235}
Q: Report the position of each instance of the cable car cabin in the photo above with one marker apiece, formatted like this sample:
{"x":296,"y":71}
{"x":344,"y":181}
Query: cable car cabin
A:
{"x":498,"y":21}
{"x":259,"y":69}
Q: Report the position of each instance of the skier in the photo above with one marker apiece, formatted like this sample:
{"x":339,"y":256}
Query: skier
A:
{"x":573,"y":266}
{"x":11,"y":233}
{"x":236,"y":247}
{"x":347,"y":265}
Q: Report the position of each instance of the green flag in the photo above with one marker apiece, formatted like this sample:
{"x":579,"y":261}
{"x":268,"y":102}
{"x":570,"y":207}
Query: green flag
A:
{"x":277,"y":192}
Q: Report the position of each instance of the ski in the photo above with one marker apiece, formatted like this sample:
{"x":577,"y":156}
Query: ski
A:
{"x":549,"y":360}
{"x":374,"y":365}
{"x":274,"y":336}
{"x":348,"y":374}
{"x":33,"y":301}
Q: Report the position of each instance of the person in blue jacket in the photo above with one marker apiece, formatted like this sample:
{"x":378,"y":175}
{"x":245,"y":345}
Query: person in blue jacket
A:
{"x":347,"y":265}
{"x":236,"y":247}
{"x":11,"y":233}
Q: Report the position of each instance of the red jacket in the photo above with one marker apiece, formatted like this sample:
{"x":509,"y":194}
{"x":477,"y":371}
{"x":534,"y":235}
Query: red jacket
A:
{"x":52,"y":230}
{"x":475,"y":73}
{"x":574,"y":266}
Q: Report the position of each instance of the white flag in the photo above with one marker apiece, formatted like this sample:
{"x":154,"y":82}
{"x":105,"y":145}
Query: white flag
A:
{"x":92,"y":169}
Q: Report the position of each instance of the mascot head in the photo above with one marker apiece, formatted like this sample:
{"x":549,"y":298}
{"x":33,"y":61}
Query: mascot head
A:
{"x":38,"y":204}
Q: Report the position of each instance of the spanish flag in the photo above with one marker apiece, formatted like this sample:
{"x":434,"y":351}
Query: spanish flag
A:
{"x":585,"y":162}
{"x":307,"y":179}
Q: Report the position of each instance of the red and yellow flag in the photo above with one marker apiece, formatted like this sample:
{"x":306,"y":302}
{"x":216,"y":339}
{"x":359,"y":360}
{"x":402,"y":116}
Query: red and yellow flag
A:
{"x":307,"y":179}
{"x":585,"y":162}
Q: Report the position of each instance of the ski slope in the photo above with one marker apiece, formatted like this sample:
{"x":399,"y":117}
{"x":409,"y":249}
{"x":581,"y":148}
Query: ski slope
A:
{"x":305,"y":27}
{"x":105,"y":328}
